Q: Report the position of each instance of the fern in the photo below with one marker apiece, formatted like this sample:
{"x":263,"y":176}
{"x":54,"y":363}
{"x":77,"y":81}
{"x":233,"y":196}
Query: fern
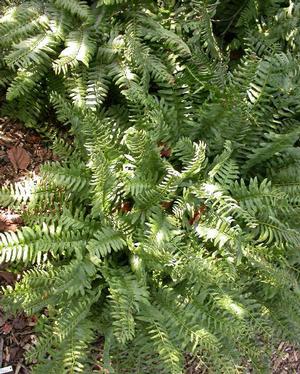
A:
{"x":76,"y":8}
{"x":79,"y":48}
{"x":170,"y":225}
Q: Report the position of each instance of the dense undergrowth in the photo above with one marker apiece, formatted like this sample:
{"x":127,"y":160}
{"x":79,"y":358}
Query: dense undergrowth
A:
{"x":171,"y":224}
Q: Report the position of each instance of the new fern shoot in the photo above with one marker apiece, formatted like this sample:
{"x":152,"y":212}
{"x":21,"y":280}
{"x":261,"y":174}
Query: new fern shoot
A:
{"x":171,"y":224}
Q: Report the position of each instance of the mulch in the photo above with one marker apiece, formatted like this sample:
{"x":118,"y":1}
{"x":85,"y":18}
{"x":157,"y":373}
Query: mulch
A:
{"x":17,"y":334}
{"x":286,"y":360}
{"x":14,"y":136}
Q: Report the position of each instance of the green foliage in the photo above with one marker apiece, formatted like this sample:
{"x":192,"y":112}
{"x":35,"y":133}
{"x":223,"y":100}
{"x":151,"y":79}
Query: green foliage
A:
{"x":171,"y":224}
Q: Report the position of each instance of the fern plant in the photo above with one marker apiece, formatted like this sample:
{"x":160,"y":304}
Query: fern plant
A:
{"x":171,"y":224}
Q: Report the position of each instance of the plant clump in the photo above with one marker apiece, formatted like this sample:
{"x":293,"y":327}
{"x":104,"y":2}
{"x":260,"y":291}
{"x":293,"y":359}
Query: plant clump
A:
{"x":171,"y":224}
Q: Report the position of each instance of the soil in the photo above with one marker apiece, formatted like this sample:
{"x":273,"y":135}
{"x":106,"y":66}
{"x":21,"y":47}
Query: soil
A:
{"x":17,"y":331}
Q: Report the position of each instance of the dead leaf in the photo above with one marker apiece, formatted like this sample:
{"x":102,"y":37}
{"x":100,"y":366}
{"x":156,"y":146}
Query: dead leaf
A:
{"x":19,"y":158}
{"x":10,"y":222}
{"x":9,"y":278}
{"x":6,"y":328}
{"x":6,"y":226}
{"x":19,"y":323}
{"x":16,"y":353}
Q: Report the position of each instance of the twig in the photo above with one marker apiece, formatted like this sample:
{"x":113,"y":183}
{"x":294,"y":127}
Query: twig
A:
{"x":18,"y":368}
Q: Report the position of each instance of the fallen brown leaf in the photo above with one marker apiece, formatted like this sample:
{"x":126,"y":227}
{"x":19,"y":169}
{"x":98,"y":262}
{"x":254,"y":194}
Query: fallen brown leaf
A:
{"x":9,"y":278}
{"x":6,"y":328}
{"x":10,"y":222}
{"x":19,"y":323}
{"x":16,"y":353}
{"x":19,"y":157}
{"x":8,"y":227}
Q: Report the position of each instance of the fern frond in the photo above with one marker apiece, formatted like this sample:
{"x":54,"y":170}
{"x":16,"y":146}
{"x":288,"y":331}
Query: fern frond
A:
{"x":126,"y":298}
{"x":97,"y":86}
{"x":77,"y":8}
{"x":73,"y":177}
{"x":34,"y":50}
{"x":105,"y":241}
{"x":80,"y":46}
